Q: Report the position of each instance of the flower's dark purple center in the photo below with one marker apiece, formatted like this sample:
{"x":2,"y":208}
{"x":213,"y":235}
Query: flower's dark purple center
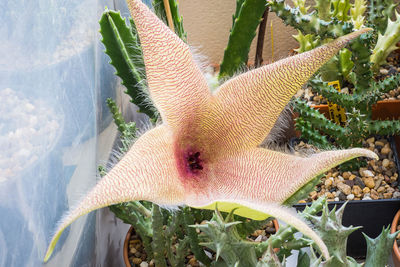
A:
{"x":194,"y":161}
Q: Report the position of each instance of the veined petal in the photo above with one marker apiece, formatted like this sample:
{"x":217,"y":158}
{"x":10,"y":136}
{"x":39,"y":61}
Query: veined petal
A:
{"x":272,"y":210}
{"x":247,"y":107}
{"x":177,"y":86}
{"x":265,"y":176}
{"x":146,"y":172}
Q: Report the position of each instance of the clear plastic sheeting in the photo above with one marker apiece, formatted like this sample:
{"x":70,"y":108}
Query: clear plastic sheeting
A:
{"x":55,"y":129}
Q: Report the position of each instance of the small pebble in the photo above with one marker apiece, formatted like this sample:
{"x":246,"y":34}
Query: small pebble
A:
{"x":386,"y":150}
{"x":349,"y":183}
{"x":342,"y":197}
{"x":366,"y":190}
{"x":369,"y":182}
{"x":350,"y":197}
{"x":346,"y":175}
{"x":374,"y":194}
{"x":367,"y":173}
{"x":328,"y":182}
{"x":396,"y":194}
{"x":385,"y":163}
{"x":344,"y":188}
{"x":137,"y":261}
{"x":359,"y":182}
{"x":387,"y":195}
{"x":381,"y":189}
{"x":357,"y":191}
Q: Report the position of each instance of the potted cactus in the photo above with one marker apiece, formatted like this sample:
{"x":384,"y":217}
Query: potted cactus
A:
{"x":200,"y":157}
{"x":356,"y":67}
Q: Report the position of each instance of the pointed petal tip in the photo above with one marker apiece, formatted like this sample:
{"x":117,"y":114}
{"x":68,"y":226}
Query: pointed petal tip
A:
{"x":362,"y":152}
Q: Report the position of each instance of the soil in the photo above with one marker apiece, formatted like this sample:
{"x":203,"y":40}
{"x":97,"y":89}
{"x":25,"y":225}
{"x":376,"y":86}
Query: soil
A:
{"x":377,"y":180}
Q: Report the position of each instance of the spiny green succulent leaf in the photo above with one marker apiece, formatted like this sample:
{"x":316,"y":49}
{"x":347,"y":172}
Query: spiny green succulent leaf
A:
{"x":323,"y":8}
{"x":309,"y":23}
{"x":340,"y":9}
{"x":378,"y":249}
{"x":269,"y":259}
{"x":361,"y":52}
{"x":356,"y":12}
{"x":193,"y":238}
{"x":330,"y":228}
{"x":158,"y":243}
{"x":379,"y":12}
{"x":123,"y":48}
{"x":386,"y":43}
{"x":127,"y":130}
{"x":286,"y":232}
{"x":301,"y":5}
{"x":386,"y":128}
{"x":242,"y":34}
{"x":315,"y":118}
{"x":303,"y":260}
{"x":306,"y":42}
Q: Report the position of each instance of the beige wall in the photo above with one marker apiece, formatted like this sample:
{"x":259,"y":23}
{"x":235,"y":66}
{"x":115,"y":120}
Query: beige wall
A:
{"x":207,"y":23}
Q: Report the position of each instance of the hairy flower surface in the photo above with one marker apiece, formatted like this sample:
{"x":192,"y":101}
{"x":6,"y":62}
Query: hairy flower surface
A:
{"x":206,"y":150}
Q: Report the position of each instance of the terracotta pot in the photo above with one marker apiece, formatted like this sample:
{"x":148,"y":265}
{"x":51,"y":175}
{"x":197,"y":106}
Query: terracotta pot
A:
{"x":395,"y":251}
{"x":128,"y":237}
{"x":126,"y":247}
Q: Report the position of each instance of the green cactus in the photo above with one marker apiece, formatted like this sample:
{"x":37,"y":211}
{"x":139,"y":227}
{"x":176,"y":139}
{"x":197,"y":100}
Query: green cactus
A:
{"x":306,"y":42}
{"x":386,"y":43}
{"x":340,"y":9}
{"x":380,"y":12}
{"x":221,"y":236}
{"x":269,"y":259}
{"x":309,"y":23}
{"x":333,"y":233}
{"x":246,"y":19}
{"x":354,"y":65}
{"x":123,"y":48}
{"x":323,"y":8}
{"x":356,"y":12}
{"x":301,"y":5}
{"x":378,"y":249}
{"x":193,"y":238}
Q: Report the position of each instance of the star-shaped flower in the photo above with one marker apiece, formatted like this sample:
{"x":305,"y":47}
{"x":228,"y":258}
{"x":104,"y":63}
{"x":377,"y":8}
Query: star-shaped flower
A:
{"x":206,"y":150}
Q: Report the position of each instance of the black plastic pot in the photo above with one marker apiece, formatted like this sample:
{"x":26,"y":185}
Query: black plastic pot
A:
{"x":372,"y":215}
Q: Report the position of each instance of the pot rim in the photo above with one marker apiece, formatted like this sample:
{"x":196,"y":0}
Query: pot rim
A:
{"x":126,"y":246}
{"x":393,"y":227}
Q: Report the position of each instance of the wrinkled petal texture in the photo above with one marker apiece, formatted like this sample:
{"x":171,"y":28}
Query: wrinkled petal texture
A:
{"x":246,"y":107}
{"x":177,"y":85}
{"x":146,"y":172}
{"x":265,"y":176}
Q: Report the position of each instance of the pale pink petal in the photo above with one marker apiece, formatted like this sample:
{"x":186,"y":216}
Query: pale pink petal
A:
{"x":264,"y":176}
{"x":146,"y":172}
{"x":177,"y":86}
{"x":247,"y":107}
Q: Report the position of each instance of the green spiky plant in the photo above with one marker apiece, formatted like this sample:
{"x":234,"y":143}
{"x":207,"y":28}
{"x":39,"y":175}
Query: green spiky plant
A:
{"x":353,"y":67}
{"x":168,"y":237}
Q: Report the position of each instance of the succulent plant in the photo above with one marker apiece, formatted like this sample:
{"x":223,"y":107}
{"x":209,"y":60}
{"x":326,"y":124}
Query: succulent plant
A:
{"x":353,"y":67}
{"x":169,"y":235}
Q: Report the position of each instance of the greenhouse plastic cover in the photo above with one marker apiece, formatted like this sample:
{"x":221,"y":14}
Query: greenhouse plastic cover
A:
{"x":55,"y":129}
